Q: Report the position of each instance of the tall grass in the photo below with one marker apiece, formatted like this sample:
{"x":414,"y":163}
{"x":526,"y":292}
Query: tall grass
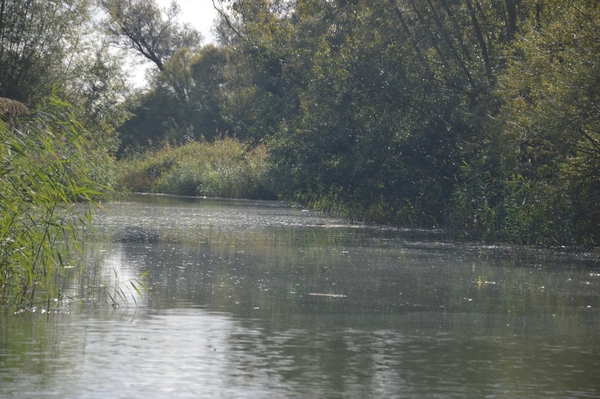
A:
{"x":43,"y":172}
{"x":223,"y":168}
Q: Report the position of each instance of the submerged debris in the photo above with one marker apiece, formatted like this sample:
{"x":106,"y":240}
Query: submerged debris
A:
{"x":137,"y":235}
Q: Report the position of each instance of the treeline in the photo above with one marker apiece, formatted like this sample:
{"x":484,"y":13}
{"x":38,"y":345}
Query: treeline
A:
{"x":479,"y":116}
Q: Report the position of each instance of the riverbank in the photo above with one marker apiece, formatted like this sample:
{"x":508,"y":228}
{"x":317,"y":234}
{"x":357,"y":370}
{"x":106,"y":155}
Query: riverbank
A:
{"x":482,"y":208}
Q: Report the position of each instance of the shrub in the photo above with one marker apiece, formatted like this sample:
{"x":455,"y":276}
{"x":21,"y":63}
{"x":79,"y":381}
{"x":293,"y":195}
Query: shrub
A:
{"x":223,"y":168}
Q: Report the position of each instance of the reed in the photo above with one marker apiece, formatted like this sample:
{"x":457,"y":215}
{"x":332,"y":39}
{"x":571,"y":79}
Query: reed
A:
{"x":509,"y":208}
{"x":44,"y":178}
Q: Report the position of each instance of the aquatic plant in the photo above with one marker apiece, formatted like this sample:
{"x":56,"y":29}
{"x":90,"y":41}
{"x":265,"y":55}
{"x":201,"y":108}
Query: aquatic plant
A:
{"x":44,"y":182}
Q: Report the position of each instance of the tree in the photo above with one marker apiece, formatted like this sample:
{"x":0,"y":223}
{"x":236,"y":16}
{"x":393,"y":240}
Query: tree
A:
{"x":365,"y":106}
{"x":98,"y":92}
{"x":37,"y":39}
{"x":183,"y":104}
{"x":154,"y":33}
{"x":207,"y":95}
{"x":52,"y":47}
{"x":481,"y":114}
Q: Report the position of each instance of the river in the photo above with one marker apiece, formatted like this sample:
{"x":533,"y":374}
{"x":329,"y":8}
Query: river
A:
{"x":194,"y":298}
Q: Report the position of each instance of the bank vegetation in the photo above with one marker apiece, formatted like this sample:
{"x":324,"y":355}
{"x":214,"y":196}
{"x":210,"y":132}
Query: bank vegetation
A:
{"x":477,"y":116}
{"x":222,"y":168}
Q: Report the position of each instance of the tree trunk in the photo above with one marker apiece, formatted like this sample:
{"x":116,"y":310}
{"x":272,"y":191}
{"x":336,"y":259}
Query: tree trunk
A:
{"x":511,"y":20}
{"x":480,"y":38}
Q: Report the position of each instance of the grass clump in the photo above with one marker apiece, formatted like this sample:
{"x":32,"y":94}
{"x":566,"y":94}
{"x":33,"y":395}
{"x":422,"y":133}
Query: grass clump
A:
{"x":223,"y":168}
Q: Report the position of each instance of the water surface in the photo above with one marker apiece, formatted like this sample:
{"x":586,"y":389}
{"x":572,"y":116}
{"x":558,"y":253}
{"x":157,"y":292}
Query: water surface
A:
{"x":256,"y":300}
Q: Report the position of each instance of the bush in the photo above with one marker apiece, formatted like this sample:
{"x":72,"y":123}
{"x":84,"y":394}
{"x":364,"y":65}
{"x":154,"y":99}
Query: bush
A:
{"x":220,"y":169}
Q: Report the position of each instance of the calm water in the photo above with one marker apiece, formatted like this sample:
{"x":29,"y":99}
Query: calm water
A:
{"x":255,"y":300}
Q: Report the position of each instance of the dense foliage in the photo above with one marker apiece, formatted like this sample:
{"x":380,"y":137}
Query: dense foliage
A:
{"x":43,"y":171}
{"x":222,"y":168}
{"x":36,"y":38}
{"x":54,"y":48}
{"x":480,"y":116}
{"x":54,"y":62}
{"x":477,"y":115}
{"x":183,"y":105}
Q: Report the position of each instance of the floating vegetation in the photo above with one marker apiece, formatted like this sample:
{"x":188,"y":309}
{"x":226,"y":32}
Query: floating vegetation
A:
{"x":137,"y":235}
{"x":327,"y":295}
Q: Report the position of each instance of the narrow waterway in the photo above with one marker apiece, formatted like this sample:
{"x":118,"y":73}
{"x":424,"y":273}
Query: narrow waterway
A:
{"x":250,"y":299}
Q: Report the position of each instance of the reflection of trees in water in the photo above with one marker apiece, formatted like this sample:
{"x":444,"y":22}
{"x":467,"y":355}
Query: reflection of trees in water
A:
{"x":29,"y":342}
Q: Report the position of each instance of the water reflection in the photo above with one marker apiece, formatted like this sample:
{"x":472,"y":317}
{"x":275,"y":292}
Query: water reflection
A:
{"x":251,"y":299}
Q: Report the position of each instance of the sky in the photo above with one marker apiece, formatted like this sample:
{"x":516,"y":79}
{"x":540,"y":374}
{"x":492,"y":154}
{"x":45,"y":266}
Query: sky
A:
{"x":198,"y":13}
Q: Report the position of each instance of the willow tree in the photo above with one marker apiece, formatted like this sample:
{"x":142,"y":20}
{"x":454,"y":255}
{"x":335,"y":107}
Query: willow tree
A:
{"x":53,"y":48}
{"x":147,"y":30}
{"x":368,"y":106}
